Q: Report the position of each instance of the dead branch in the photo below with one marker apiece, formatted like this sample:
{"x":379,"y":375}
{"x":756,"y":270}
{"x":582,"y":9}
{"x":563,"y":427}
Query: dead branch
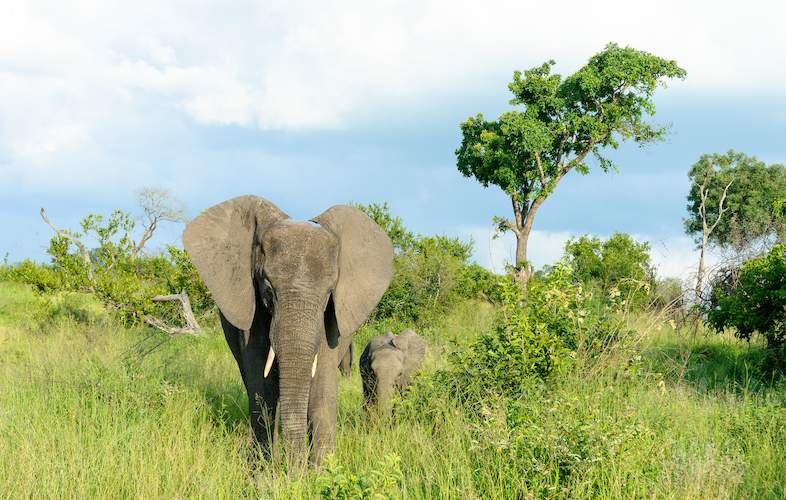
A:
{"x":158,"y":206}
{"x":73,"y":239}
{"x":192,"y":327}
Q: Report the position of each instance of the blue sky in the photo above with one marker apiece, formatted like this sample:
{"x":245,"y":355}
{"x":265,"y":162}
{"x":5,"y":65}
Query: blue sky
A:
{"x":359,"y":101}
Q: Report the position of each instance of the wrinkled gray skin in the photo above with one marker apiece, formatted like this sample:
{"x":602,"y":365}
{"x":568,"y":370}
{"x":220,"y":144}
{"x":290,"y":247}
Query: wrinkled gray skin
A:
{"x":387,"y":365}
{"x":300,"y":288}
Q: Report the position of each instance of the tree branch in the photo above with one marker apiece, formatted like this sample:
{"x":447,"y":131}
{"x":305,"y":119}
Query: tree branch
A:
{"x":514,"y":199}
{"x":146,"y":235}
{"x":192,"y":327}
{"x":73,"y":239}
{"x":540,"y":169}
{"x":721,"y":207}
{"x":159,"y":206}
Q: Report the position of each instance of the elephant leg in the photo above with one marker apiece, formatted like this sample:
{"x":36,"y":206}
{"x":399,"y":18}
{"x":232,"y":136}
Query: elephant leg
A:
{"x":262,"y":391}
{"x":234,"y":338}
{"x":322,"y":405}
{"x":346,"y":362}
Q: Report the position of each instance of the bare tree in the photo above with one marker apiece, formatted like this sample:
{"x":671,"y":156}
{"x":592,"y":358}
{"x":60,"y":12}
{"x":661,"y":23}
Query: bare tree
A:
{"x":707,"y":227}
{"x":158,"y":205}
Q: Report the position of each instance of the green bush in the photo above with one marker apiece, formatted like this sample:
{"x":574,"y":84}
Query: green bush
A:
{"x":337,"y":483}
{"x":520,"y":346}
{"x":753,"y":299}
{"x":535,"y":335}
{"x":431,"y":273}
{"x":115,"y":272}
{"x":44,"y":279}
{"x":619,"y":263}
{"x":668,"y":293}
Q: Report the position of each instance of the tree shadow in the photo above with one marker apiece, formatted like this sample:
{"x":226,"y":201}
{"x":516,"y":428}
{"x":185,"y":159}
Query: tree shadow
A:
{"x":710,"y":365}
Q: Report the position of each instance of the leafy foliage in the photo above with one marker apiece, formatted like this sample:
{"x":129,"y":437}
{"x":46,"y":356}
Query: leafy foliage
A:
{"x":750,"y":199}
{"x":533,"y":337}
{"x":563,"y":121}
{"x":669,"y":292}
{"x":779,"y":208}
{"x":754,"y":300}
{"x":114,"y":271}
{"x":431,"y":273}
{"x":336,"y":483}
{"x":401,"y":238}
{"x":620,"y":263}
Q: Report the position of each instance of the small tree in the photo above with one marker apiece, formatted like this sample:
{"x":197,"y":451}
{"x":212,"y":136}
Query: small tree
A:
{"x":563,"y":121}
{"x":116,"y":271}
{"x":749,"y":201}
{"x":730,"y":206}
{"x":619,"y":262}
{"x":401,"y":238}
{"x":709,"y":221}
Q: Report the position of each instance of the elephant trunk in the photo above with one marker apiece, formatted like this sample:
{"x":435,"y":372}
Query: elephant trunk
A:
{"x":297,"y":333}
{"x":385,"y":391}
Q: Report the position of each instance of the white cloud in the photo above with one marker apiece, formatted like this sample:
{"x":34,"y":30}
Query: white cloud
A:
{"x":83,"y":82}
{"x":291,"y":65}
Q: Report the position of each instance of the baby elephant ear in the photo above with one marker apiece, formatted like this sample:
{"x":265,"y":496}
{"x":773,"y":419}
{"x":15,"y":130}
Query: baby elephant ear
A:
{"x":414,"y":348}
{"x":365,"y":264}
{"x":220,"y":242}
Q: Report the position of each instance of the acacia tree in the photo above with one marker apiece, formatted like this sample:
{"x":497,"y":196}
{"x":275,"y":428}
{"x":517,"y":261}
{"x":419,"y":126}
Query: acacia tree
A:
{"x":527,"y":152}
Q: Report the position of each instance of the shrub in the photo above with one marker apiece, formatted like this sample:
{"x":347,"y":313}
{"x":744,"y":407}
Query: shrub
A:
{"x":668,"y":293}
{"x":336,"y":483}
{"x":43,"y":279}
{"x":431,"y":273}
{"x":115,"y":271}
{"x":533,"y":337}
{"x":753,"y":299}
{"x":477,"y":282}
{"x":618,"y":263}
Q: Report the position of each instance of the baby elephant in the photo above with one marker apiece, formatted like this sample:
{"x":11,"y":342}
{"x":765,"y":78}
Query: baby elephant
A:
{"x":387,"y":365}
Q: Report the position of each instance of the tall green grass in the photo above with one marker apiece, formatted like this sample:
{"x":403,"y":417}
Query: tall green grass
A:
{"x":84,"y":414}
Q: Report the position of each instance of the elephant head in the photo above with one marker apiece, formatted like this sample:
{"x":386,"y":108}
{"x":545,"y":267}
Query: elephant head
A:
{"x":290,"y":295}
{"x":387,"y":365}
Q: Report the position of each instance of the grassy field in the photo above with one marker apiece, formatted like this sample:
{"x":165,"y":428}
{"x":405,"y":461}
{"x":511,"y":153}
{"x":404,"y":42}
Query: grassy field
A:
{"x":91,"y":410}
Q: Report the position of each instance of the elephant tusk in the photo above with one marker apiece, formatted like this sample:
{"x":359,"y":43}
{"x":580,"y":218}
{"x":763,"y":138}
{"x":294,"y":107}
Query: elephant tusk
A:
{"x":314,"y":366}
{"x":270,"y":357}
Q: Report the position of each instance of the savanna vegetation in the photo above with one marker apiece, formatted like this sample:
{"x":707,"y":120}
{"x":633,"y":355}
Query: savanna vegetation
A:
{"x":590,"y":377}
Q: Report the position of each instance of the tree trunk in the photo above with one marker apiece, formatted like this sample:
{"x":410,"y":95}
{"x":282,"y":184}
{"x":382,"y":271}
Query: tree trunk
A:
{"x":700,"y":271}
{"x":523,"y":230}
{"x":522,"y":266}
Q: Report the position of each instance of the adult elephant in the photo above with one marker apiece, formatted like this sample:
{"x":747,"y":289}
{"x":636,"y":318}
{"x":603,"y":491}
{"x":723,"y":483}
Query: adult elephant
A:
{"x":290,"y":296}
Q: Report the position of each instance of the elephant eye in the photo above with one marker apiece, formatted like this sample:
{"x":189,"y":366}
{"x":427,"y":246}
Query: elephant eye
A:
{"x":268,"y":294}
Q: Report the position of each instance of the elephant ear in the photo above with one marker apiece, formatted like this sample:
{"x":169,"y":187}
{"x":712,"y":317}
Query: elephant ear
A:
{"x":414,"y":348}
{"x":220,"y":243}
{"x":365,"y":264}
